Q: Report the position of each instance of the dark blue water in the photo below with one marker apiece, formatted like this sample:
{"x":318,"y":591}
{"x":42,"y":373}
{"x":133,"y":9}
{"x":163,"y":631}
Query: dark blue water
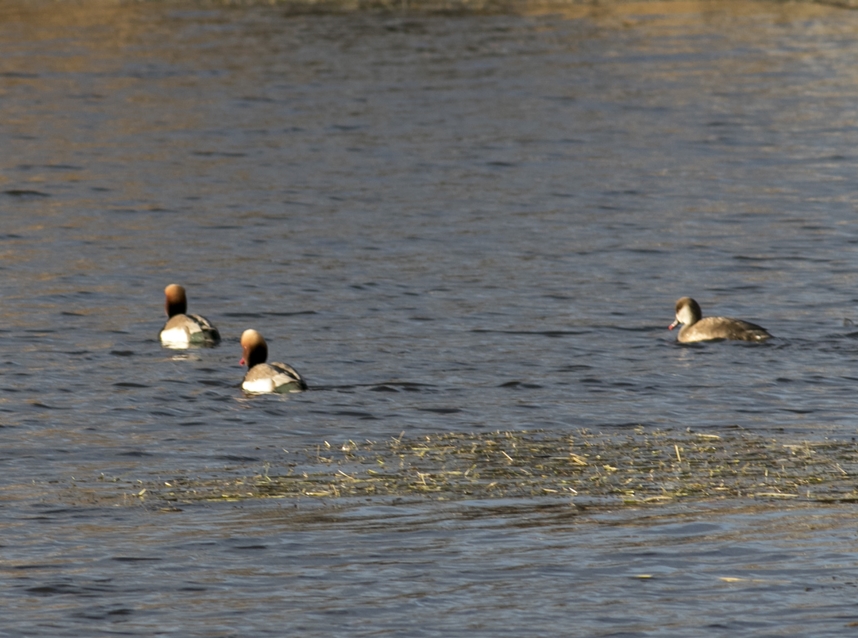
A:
{"x":489,"y":214}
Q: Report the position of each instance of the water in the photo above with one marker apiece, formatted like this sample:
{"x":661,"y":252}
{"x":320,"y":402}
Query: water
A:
{"x":448,"y":222}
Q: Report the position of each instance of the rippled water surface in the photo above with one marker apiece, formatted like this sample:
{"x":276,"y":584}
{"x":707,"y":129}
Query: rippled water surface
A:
{"x":449,"y":222}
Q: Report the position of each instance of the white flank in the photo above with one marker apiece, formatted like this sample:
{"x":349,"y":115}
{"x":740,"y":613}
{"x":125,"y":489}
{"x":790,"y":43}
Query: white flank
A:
{"x":175,"y":338}
{"x":259,"y":386}
{"x":271,"y":378}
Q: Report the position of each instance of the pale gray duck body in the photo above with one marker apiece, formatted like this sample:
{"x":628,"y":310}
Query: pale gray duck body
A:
{"x":265,"y":377}
{"x":697,"y":328}
{"x":183,"y":330}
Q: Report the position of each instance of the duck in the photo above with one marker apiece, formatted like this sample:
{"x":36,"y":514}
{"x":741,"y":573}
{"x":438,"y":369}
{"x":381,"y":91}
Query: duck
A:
{"x":184,"y":330}
{"x":695,"y":328}
{"x":265,"y":377}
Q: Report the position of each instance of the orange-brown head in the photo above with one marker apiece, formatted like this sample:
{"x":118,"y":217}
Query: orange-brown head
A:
{"x":177,"y":302}
{"x":254,"y":350}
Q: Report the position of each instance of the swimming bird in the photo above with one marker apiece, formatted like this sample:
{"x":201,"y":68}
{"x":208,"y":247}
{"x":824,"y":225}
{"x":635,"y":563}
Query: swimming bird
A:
{"x":183,"y":330}
{"x":695,"y":328}
{"x":264,"y":377}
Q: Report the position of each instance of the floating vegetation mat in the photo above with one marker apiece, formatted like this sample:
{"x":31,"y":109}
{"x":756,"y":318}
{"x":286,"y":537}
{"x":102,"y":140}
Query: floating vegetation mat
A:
{"x":635,"y":468}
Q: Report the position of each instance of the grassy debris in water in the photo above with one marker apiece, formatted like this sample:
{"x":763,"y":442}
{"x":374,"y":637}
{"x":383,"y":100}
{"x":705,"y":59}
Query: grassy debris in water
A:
{"x":639,"y":467}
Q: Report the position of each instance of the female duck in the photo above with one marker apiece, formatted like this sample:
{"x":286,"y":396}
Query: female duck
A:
{"x":264,"y":377}
{"x":183,"y":330}
{"x":695,"y":328}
